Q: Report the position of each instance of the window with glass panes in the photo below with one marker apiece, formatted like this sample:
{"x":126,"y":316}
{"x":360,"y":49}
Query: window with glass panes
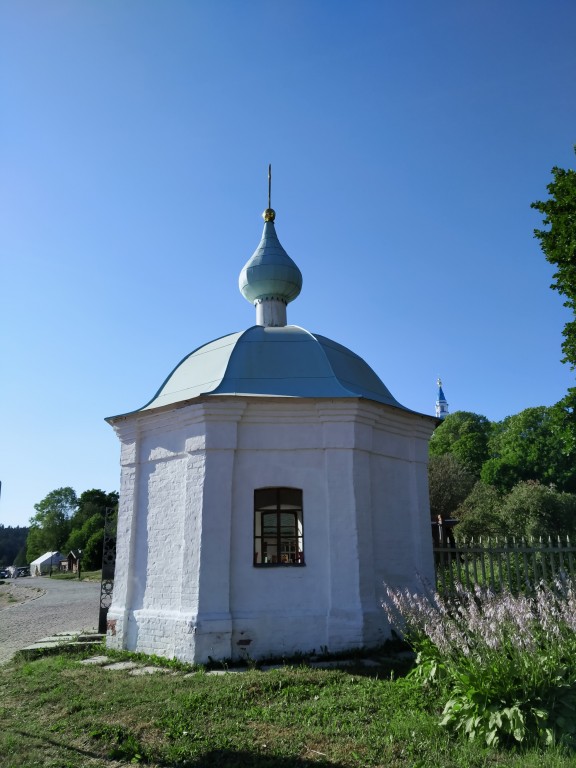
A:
{"x":278,"y":531}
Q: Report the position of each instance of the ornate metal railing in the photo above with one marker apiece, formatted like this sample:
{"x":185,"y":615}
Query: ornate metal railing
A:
{"x":108,"y":566}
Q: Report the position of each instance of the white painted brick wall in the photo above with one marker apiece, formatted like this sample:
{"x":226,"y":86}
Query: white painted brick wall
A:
{"x":186,"y":585}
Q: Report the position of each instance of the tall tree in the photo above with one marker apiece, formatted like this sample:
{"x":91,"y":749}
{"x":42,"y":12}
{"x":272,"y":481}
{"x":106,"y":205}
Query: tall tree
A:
{"x":464,"y":435}
{"x":534,"y":510}
{"x":93,"y":502}
{"x":12,"y":542}
{"x":529,"y":510}
{"x":535,"y":444}
{"x":479,"y":514}
{"x":50,"y":526}
{"x":449,"y":484}
{"x":87,"y":525}
{"x":559,"y":246}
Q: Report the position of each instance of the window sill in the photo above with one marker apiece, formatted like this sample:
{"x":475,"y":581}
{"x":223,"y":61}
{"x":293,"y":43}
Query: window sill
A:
{"x":279,"y":565}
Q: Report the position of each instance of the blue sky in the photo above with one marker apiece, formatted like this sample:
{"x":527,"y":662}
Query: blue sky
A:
{"x":407,"y":141}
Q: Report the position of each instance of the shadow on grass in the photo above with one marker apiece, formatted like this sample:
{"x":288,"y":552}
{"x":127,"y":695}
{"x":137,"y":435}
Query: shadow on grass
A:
{"x":213,"y":759}
{"x":60,"y":745}
{"x":224,"y":758}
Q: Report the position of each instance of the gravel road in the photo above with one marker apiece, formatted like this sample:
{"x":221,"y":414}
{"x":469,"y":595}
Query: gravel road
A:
{"x":63,"y":606}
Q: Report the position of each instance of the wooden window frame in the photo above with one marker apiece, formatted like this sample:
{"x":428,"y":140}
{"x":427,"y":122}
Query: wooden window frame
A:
{"x":274,"y":546}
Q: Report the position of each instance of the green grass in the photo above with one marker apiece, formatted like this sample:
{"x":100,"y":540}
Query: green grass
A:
{"x":57,"y":713}
{"x":84,"y":575}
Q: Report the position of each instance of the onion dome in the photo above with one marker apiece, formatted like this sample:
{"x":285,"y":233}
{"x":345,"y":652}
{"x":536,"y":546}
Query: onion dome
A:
{"x":271,"y":359}
{"x":270,"y":279}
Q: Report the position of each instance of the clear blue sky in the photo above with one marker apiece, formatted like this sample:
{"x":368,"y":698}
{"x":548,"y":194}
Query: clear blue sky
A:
{"x":407,"y":140}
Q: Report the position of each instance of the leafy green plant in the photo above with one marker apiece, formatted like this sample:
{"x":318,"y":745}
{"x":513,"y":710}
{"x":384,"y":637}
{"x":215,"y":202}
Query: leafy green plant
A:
{"x":122,"y":744}
{"x":505,"y":664}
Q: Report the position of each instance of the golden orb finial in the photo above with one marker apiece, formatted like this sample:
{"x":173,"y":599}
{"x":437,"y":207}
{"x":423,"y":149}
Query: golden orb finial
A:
{"x":269,"y":214}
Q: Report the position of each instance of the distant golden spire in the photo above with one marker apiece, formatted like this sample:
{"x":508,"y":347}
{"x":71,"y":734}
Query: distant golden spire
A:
{"x":269,"y":214}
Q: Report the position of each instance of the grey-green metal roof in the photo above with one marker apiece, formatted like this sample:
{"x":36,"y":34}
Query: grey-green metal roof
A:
{"x":272,"y":362}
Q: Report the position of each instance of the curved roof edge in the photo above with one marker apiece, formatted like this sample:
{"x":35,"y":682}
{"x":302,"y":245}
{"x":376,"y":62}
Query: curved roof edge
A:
{"x":274,"y":362}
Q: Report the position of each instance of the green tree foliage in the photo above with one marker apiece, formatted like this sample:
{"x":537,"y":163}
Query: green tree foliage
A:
{"x":21,"y":558}
{"x":564,"y":429}
{"x":465,"y":436}
{"x":559,"y":246}
{"x":535,"y":510}
{"x":64,"y":521}
{"x":93,"y":502}
{"x":449,"y":484}
{"x":50,"y":526}
{"x":12,"y":544}
{"x":92,"y":552}
{"x":479,"y":514}
{"x":535,"y":444}
{"x":529,"y":510}
{"x":87,"y":525}
{"x":35,"y":545}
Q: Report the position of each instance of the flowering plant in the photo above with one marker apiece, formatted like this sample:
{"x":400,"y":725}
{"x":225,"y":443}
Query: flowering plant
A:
{"x":507,"y":664}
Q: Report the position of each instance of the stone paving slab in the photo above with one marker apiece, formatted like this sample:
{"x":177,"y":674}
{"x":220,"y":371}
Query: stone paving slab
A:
{"x":96,"y":660}
{"x":41,"y":644}
{"x":136,"y":668}
{"x":227,"y":671}
{"x":65,"y":639}
{"x":120,"y":666}
{"x":150,"y":671}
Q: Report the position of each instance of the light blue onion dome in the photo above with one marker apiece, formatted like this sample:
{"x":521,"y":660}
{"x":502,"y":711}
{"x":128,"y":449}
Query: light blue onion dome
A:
{"x":270,"y":274}
{"x":271,"y":359}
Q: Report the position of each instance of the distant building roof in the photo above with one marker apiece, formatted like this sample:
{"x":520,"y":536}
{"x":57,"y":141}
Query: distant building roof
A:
{"x":441,"y":402}
{"x":47,"y":557}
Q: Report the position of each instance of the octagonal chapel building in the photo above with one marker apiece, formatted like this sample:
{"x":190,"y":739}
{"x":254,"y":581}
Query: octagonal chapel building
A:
{"x":269,"y":490}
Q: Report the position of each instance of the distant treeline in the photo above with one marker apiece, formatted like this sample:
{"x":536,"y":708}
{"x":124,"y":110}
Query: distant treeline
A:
{"x":13,"y":545}
{"x":512,"y":478}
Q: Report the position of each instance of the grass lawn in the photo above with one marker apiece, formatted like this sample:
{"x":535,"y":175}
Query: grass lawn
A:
{"x":59,"y":714}
{"x":85,"y":575}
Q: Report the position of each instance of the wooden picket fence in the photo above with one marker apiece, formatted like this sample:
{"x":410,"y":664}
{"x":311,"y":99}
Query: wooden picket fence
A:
{"x":516,"y":565}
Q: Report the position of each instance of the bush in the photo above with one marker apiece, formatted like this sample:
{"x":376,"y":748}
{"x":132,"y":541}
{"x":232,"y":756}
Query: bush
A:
{"x":506,"y":665}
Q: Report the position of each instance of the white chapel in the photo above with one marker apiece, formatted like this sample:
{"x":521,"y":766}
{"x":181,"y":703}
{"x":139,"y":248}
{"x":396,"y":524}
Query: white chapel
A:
{"x":269,"y":490}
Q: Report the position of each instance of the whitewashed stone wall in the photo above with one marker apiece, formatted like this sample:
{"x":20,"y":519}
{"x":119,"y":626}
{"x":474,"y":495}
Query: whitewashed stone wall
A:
{"x":185,"y":584}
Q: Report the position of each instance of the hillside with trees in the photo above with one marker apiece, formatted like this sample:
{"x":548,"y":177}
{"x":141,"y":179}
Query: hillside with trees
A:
{"x":13,"y":545}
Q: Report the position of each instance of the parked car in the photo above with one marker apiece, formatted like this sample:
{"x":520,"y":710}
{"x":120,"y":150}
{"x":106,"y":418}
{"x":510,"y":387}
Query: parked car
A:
{"x":22,"y":571}
{"x":4,"y":574}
